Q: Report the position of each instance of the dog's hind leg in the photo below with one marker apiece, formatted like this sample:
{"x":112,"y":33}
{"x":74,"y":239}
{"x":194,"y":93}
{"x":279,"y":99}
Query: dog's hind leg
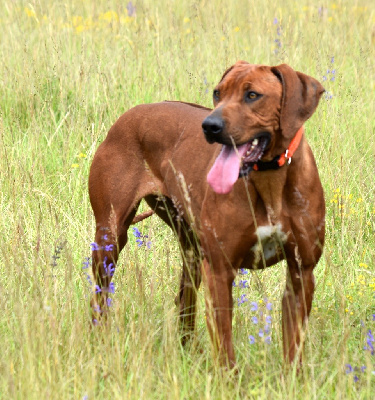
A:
{"x":189,"y":285}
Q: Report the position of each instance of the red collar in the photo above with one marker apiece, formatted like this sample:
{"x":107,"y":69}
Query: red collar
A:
{"x":280,"y":160}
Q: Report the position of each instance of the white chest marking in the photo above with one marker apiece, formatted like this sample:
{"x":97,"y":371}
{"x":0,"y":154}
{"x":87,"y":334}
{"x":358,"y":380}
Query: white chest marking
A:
{"x":270,"y":240}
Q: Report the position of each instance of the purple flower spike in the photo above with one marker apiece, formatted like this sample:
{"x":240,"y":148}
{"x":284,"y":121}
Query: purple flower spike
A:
{"x":269,"y":306}
{"x":254,"y":320}
{"x":254,"y":306}
{"x":261,"y":333}
{"x":149,"y":245}
{"x":105,"y":237}
{"x":108,"y":247}
{"x":275,"y":21}
{"x":109,"y":302}
{"x":267,"y":329}
{"x":332,"y":60}
{"x":373,"y":317}
{"x":97,"y":289}
{"x":268,"y":319}
{"x":268,"y":339}
{"x":251,"y":339}
{"x":348,"y":369}
{"x":356,"y":379}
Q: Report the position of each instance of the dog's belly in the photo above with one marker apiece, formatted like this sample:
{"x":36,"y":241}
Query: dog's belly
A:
{"x":269,"y":248}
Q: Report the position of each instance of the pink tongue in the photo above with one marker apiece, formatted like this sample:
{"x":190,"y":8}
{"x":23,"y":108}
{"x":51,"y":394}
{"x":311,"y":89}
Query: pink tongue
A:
{"x":224,"y":173}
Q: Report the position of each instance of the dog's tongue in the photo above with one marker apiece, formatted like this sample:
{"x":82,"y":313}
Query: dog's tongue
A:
{"x":225,"y":171}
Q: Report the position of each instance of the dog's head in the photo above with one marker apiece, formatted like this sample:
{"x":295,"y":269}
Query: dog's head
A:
{"x":258,"y":110}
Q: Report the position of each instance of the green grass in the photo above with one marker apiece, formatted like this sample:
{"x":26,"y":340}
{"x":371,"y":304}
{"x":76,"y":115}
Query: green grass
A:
{"x":68,"y":71}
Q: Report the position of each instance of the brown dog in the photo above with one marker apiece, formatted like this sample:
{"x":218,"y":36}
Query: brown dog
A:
{"x":263,"y":201}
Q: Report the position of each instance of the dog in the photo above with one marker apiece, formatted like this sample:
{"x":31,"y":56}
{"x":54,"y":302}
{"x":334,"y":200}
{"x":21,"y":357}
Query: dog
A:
{"x":244,"y":193}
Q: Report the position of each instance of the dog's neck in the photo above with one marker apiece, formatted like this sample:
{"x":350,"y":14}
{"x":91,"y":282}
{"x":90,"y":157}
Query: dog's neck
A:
{"x":270,"y":184}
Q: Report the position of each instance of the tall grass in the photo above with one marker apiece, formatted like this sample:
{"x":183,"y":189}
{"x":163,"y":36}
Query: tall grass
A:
{"x":68,"y":70}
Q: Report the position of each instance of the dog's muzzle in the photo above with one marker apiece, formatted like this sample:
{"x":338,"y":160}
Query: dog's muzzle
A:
{"x":213,"y":128}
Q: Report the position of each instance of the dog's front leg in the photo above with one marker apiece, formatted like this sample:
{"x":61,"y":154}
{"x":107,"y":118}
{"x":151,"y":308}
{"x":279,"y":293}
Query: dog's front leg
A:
{"x":296,"y":307}
{"x":219,"y":308}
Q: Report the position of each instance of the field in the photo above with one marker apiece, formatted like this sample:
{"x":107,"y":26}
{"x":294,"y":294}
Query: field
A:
{"x":68,"y":70}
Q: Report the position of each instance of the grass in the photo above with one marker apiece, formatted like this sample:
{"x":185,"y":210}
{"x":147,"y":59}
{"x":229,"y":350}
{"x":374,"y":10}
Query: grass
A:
{"x":69,"y":70}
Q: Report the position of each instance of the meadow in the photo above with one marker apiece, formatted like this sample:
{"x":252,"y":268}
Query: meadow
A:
{"x":68,"y":70}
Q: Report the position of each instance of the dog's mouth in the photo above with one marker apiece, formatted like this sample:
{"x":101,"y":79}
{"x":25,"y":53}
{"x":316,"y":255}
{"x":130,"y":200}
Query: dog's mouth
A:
{"x":236,"y":162}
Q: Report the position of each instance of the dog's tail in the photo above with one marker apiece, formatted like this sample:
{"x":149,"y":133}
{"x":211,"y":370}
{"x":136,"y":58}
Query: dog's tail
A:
{"x":141,"y":217}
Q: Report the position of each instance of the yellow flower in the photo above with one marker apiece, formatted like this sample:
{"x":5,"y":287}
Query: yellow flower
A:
{"x":29,"y":12}
{"x":363,"y":265}
{"x":329,"y":284}
{"x":337,"y":190}
{"x":330,"y":19}
{"x":187,"y":31}
{"x":82,"y":155}
{"x":359,"y":200}
{"x":237,"y":28}
{"x":346,"y":310}
{"x":75,"y":165}
{"x":80,"y":28}
{"x":186,"y":20}
{"x":109,"y":16}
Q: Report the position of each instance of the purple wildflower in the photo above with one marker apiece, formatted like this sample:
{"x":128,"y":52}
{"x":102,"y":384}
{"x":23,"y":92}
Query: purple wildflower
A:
{"x":268,"y":339}
{"x":243,"y":284}
{"x":275,"y":21}
{"x":268,"y":319}
{"x":136,"y":232}
{"x":105,"y":237}
{"x":86,"y":263}
{"x":108,"y":247}
{"x":254,"y":320}
{"x":243,"y":271}
{"x":254,"y":306}
{"x":269,"y":306}
{"x":261,"y":333}
{"x":242,"y":299}
{"x":348,"y":369}
{"x":109,"y":269}
{"x":111,"y":288}
{"x":97,"y":309}
{"x":94,"y":246}
{"x":267,"y":329}
{"x":251,"y":339}
{"x":130,"y":9}
{"x":109,"y":302}
{"x":97,"y":289}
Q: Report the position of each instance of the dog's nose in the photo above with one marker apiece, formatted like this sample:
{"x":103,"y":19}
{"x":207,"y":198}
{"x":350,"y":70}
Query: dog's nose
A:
{"x":213,"y":127}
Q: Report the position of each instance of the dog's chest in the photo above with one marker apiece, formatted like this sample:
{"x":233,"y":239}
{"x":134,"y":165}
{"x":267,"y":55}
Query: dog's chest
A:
{"x":269,"y":244}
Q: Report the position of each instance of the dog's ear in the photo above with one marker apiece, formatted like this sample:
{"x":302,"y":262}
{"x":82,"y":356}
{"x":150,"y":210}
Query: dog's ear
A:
{"x":233,"y":66}
{"x":301,"y":94}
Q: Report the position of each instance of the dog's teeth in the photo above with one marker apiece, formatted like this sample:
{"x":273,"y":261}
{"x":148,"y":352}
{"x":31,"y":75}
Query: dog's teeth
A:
{"x":255,"y":142}
{"x":248,"y":153}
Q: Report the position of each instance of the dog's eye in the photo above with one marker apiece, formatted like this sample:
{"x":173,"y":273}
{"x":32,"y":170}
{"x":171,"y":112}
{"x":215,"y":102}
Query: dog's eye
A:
{"x":250,"y":96}
{"x":216,"y":95}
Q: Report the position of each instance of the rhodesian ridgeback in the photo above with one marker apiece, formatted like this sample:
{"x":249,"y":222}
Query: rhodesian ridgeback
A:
{"x":244,"y":193}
